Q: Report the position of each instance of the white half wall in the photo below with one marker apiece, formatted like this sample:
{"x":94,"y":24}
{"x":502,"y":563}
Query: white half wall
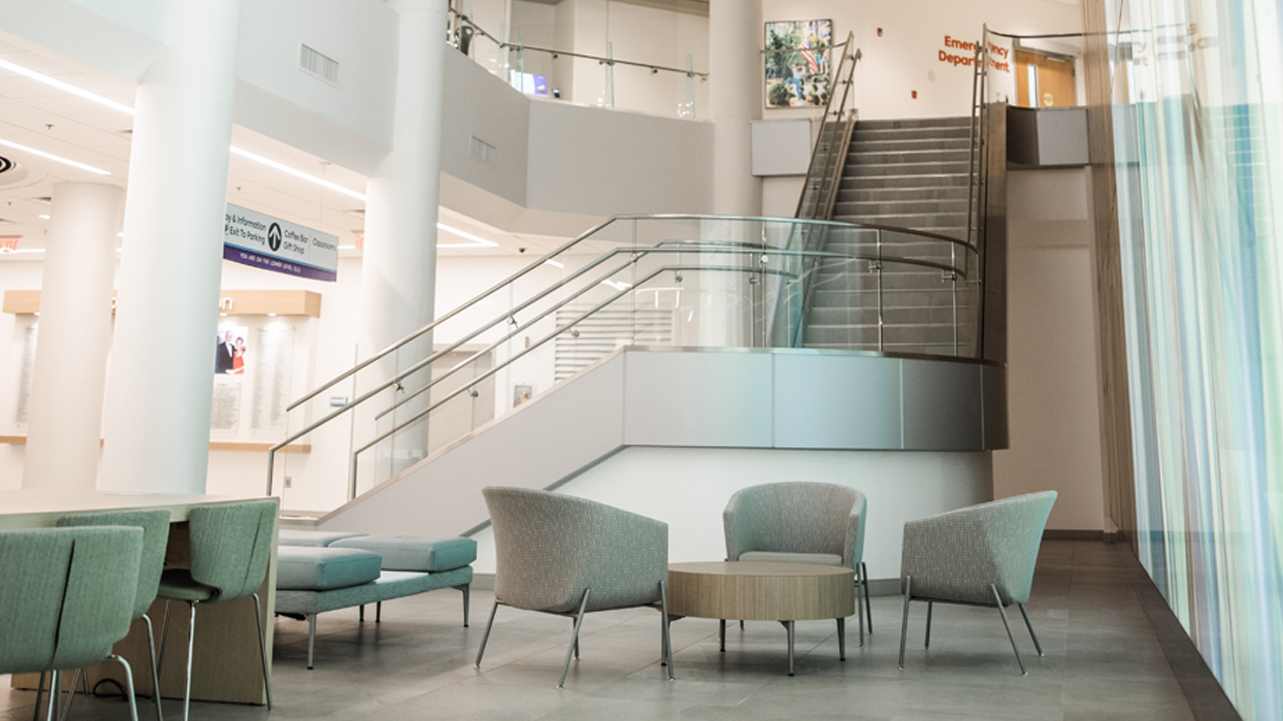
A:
{"x":688,"y":488}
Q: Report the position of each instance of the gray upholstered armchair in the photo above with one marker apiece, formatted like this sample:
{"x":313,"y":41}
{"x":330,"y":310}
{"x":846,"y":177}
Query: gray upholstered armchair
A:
{"x":983,"y":555}
{"x":801,"y":522}
{"x":565,"y":555}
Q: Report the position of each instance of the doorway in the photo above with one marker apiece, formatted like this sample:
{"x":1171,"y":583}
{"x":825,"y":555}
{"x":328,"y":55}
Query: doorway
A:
{"x":1044,"y":81}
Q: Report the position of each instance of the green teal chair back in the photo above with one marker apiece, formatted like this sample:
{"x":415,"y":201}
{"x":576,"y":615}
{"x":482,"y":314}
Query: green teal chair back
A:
{"x":230,"y":546}
{"x":155,"y":525}
{"x":67,"y":595}
{"x":797,"y":517}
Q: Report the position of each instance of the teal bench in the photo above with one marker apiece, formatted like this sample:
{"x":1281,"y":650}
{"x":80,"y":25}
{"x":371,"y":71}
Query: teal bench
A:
{"x":319,"y":571}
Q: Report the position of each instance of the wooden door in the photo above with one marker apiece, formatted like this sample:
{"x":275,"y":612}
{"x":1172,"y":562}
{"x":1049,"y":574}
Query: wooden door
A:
{"x":1052,"y":79}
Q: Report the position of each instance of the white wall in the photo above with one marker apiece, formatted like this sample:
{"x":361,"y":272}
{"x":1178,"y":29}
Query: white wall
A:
{"x":1051,"y":365}
{"x":688,"y":488}
{"x":906,"y":56}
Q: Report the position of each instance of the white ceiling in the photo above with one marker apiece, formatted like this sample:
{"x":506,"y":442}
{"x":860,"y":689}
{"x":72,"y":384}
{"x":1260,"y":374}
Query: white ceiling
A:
{"x":51,"y":120}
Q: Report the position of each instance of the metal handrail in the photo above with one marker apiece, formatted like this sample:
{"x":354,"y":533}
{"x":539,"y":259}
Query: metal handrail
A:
{"x":722,"y":247}
{"x":825,"y":124}
{"x":665,"y":247}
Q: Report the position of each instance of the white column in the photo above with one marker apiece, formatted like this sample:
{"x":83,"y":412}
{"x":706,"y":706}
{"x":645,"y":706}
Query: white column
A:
{"x":735,"y":97}
{"x":398,"y":270}
{"x":160,"y":383}
{"x":65,"y":422}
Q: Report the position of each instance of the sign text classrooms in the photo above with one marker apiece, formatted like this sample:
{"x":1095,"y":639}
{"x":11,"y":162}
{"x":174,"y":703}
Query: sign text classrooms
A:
{"x":969,"y":47}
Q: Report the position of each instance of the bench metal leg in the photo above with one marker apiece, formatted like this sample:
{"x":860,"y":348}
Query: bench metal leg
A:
{"x":868,"y":609}
{"x":466,"y":589}
{"x":378,"y":612}
{"x":721,"y":634}
{"x":926,"y":643}
{"x":362,"y":618}
{"x":790,"y":624}
{"x":311,"y":639}
{"x":667,"y":637}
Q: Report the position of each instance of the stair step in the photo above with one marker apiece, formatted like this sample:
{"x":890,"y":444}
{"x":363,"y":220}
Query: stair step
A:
{"x":957,"y":121}
{"x":901,"y":207}
{"x":903,"y":195}
{"x":861,"y":145}
{"x":880,"y":134}
{"x":906,"y":169}
{"x":907,"y":157}
{"x":910,"y":181}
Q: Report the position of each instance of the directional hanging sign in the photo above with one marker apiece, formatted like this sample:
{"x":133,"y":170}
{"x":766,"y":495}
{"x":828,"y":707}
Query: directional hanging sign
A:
{"x":261,"y":241}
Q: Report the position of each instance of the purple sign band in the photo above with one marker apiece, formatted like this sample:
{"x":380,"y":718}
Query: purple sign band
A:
{"x":267,"y":262}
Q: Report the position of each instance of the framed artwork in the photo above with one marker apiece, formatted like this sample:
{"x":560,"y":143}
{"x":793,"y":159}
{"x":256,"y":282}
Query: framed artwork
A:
{"x":797,"y":63}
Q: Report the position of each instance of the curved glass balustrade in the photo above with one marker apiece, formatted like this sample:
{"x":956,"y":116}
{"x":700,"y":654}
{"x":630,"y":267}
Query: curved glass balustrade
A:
{"x":653,"y":281}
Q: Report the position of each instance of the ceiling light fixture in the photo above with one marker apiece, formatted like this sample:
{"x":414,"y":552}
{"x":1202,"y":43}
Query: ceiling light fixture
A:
{"x":556,"y":263}
{"x":44,"y":217}
{"x":56,"y":158}
{"x":297,"y":173}
{"x":478,"y":241}
{"x":66,"y":87}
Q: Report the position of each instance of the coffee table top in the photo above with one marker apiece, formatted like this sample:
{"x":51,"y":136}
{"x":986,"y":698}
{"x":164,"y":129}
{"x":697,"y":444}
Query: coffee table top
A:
{"x":758,"y":568}
{"x":755,"y":591}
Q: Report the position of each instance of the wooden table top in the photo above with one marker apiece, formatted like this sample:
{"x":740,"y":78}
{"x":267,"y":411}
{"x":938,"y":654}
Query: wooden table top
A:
{"x":757,"y":568}
{"x":41,"y":507}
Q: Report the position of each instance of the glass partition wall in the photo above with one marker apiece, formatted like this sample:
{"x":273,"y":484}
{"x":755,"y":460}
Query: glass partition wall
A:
{"x":1198,"y":115}
{"x":651,"y":282}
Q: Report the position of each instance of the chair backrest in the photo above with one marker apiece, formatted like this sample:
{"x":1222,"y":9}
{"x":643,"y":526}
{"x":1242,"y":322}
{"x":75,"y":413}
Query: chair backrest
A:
{"x":796,"y":517}
{"x":549,"y":547}
{"x":155,"y":525}
{"x":66,"y":595}
{"x":231,"y":544}
{"x":961,"y":552}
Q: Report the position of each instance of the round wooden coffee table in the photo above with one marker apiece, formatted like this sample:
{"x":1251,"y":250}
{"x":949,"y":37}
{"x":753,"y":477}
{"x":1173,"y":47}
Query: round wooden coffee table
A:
{"x":751,"y":591}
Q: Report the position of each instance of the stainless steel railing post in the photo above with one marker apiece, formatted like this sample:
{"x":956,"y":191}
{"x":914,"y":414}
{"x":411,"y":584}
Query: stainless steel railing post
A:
{"x":881,"y":321}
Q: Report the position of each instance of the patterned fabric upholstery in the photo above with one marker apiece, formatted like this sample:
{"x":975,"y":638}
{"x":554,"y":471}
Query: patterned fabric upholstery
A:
{"x":797,"y":518}
{"x":230,"y":547}
{"x":955,"y":556}
{"x":550,"y":547}
{"x":66,"y":597}
{"x":155,"y":525}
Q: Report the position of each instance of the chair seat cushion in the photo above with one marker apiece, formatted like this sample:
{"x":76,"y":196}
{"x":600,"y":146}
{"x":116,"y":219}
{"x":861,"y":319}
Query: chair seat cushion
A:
{"x":414,"y":553}
{"x":176,"y":584}
{"x":297,"y":537}
{"x":308,"y":568}
{"x":819,"y":559}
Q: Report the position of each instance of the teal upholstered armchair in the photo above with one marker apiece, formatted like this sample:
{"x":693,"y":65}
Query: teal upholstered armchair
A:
{"x":982,"y":555}
{"x":801,"y":522}
{"x":565,"y":555}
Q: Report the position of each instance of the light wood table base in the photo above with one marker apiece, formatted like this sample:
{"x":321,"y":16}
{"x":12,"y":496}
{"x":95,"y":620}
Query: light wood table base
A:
{"x":784,"y":592}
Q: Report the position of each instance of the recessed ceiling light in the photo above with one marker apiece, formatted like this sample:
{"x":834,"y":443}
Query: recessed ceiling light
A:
{"x":56,"y":158}
{"x":556,"y":263}
{"x":43,"y":217}
{"x":66,"y":87}
{"x":297,"y":173}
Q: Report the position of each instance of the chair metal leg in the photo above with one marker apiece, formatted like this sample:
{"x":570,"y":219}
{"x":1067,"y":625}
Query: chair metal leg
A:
{"x":667,"y":637}
{"x":789,"y":625}
{"x":191,"y":641}
{"x":466,"y":588}
{"x":71,"y":695}
{"x":579,"y":622}
{"x":741,"y":625}
{"x":311,"y":639}
{"x":486,"y":636}
{"x":859,"y":610}
{"x":1032,"y":635}
{"x":1006,"y":625}
{"x":378,"y":612}
{"x":164,"y":635}
{"x":575,"y":622}
{"x":262,"y":651}
{"x":904,"y":624}
{"x":40,"y":687}
{"x":927,"y":642}
{"x":841,"y":639}
{"x":868,"y":609}
{"x":721,"y":634}
{"x":55,"y":679}
{"x":155,"y":674}
{"x":129,"y":686}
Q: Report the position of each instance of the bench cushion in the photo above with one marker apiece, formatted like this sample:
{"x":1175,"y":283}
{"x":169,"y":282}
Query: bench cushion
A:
{"x":414,"y":553}
{"x":299,"y":537}
{"x":819,"y":559}
{"x":392,"y":584}
{"x":318,"y":569}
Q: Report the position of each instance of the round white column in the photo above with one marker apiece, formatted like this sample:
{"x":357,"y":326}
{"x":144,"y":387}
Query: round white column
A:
{"x":65,"y":421}
{"x":399,"y":264}
{"x":735,"y":97}
{"x":160,"y":384}
{"x":398,"y":268}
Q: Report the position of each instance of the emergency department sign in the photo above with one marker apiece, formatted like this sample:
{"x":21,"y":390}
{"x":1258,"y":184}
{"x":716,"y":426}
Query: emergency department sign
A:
{"x":258,"y":240}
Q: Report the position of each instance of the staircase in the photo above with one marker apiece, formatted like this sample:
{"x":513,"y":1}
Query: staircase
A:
{"x":909,"y":174}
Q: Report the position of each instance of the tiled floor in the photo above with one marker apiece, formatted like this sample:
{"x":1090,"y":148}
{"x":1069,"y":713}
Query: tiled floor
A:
{"x":1103,"y":661}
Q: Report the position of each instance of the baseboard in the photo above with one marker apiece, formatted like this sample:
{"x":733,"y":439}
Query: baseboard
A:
{"x":483,"y":581}
{"x":1064,"y":534}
